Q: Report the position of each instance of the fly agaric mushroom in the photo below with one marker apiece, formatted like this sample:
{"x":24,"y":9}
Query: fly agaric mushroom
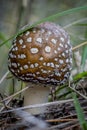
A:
{"x":42,"y":57}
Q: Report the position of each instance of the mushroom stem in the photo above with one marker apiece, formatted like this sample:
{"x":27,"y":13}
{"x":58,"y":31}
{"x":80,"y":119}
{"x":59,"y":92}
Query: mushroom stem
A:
{"x":36,"y":94}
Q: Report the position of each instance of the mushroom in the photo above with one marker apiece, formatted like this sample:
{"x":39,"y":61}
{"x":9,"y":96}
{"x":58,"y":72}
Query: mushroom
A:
{"x":41,"y":56}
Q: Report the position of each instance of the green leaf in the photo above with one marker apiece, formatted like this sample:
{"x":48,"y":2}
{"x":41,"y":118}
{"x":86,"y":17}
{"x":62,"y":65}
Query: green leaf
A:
{"x":80,"y":113}
{"x":80,"y":75}
{"x":50,"y":18}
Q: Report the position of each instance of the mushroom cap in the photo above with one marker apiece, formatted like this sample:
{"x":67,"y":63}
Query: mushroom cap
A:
{"x":42,"y":54}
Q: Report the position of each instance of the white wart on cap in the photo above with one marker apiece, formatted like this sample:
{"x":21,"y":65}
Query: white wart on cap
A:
{"x":42,"y":54}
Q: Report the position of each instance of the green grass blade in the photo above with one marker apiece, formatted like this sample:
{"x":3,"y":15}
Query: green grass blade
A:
{"x":84,"y":51}
{"x":84,"y":56}
{"x":50,"y":18}
{"x":80,"y":113}
{"x":53,"y":17}
{"x":81,"y":24}
{"x":3,"y":38}
{"x":80,"y":75}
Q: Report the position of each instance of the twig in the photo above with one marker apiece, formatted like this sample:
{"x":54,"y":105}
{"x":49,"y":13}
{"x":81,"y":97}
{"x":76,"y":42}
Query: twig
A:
{"x":5,"y":104}
{"x":60,"y":120}
{"x":77,"y":91}
{"x":75,"y":22}
{"x":39,"y":105}
{"x":78,"y":46}
{"x":62,"y":126}
{"x":10,"y":97}
{"x":72,"y":126}
{"x":5,"y":75}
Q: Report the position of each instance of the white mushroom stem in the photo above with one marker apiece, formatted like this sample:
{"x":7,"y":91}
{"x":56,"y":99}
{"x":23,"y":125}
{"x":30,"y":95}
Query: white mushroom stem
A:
{"x":36,"y":94}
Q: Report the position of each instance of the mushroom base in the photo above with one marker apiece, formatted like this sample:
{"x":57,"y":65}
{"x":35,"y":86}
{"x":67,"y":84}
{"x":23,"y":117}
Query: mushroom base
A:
{"x":36,"y":94}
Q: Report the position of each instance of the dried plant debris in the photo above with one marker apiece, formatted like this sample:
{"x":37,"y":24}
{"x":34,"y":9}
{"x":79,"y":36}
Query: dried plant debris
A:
{"x":62,"y":117}
{"x":22,"y":120}
{"x":81,"y":86}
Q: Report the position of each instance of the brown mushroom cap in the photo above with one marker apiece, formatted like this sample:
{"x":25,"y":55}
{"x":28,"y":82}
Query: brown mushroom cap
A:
{"x":42,"y":54}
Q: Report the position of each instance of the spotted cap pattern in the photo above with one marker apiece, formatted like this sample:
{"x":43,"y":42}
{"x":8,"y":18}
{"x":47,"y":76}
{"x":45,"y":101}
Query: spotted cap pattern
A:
{"x":42,"y":54}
